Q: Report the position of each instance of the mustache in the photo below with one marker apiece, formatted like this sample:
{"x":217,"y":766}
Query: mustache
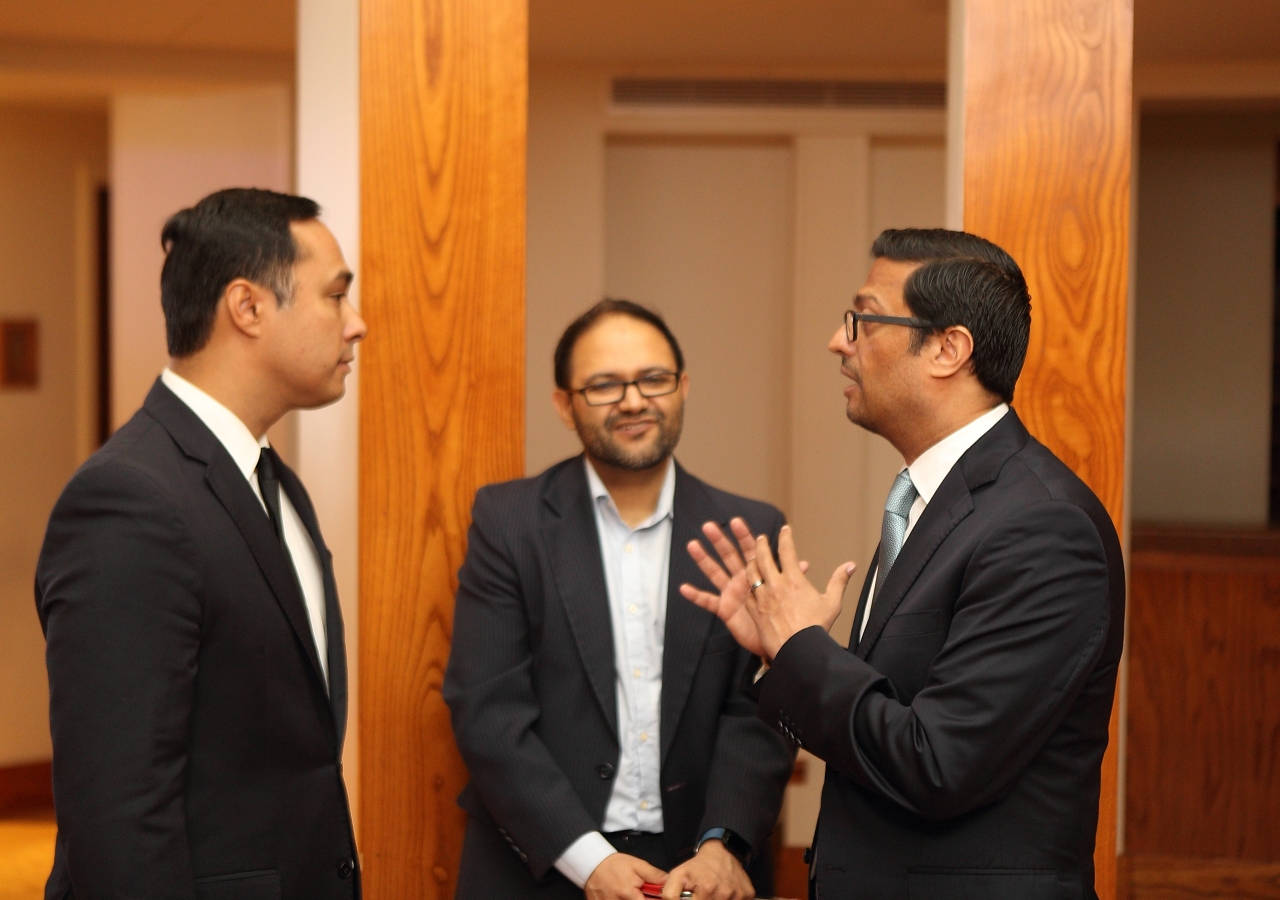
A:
{"x":614,"y":420}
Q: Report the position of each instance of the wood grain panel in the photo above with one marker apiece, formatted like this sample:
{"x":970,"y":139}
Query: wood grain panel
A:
{"x":1171,"y":878}
{"x":1204,"y":707}
{"x":26,"y":789}
{"x":443,"y":98}
{"x":1048,"y":121}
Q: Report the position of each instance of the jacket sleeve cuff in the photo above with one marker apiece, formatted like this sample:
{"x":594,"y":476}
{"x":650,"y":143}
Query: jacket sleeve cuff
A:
{"x":580,"y":860}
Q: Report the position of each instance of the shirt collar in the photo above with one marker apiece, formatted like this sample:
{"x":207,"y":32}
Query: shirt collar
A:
{"x":666,"y":497}
{"x":225,"y":425}
{"x":932,"y":466}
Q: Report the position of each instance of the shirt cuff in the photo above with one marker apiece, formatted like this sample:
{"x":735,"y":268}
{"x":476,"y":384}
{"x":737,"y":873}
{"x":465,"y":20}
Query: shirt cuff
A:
{"x":580,"y":860}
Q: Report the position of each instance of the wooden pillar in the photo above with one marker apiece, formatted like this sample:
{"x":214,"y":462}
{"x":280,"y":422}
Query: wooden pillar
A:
{"x":443,"y":92}
{"x":1047,"y":94}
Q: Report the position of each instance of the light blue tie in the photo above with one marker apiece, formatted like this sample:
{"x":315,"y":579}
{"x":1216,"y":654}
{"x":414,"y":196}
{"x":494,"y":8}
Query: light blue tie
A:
{"x":894,"y":530}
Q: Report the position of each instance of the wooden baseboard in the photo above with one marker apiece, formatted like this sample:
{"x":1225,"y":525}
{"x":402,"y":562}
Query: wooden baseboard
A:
{"x":26,"y":789}
{"x":790,"y":874}
{"x":1173,"y":878}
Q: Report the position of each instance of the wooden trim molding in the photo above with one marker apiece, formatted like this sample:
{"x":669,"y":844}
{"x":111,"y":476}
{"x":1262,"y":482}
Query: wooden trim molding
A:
{"x":26,"y":788}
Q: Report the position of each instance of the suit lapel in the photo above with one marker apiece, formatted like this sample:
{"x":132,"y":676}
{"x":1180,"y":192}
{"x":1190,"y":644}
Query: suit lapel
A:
{"x":573,"y":550}
{"x":336,"y":651}
{"x":978,"y":466}
{"x":233,"y":491}
{"x":862,"y":600}
{"x":240,"y":503}
{"x":687,"y":626}
{"x":949,"y":505}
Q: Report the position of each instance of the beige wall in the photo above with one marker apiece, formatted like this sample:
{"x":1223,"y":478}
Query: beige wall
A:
{"x":750,"y":230}
{"x":702,"y":232}
{"x":168,"y":151}
{"x":1204,"y":309}
{"x":50,"y":164}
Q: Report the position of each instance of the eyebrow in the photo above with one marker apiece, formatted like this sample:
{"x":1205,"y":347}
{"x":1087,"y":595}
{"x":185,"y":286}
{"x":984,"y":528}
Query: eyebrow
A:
{"x":614,"y":376}
{"x":346,"y":277}
{"x":866,"y":299}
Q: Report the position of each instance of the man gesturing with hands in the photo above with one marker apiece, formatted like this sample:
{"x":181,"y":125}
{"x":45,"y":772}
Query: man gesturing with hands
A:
{"x":965,"y":724}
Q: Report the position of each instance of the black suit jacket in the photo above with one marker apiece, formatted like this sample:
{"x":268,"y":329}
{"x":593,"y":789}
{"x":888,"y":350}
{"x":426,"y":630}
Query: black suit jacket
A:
{"x":196,"y":753}
{"x":964,"y":733}
{"x":531,"y":686}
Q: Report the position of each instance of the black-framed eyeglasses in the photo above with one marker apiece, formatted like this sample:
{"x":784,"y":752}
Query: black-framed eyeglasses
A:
{"x":603,"y":393}
{"x":852,"y":318}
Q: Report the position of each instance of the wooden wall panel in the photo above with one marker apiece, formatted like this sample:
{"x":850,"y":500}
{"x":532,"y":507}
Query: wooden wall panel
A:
{"x":443,"y":98}
{"x":1204,"y":707}
{"x":1048,"y":121}
{"x":1164,"y":878}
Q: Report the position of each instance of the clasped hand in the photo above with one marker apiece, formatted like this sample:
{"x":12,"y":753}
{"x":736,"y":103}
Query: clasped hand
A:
{"x":713,"y":874}
{"x":783,"y":601}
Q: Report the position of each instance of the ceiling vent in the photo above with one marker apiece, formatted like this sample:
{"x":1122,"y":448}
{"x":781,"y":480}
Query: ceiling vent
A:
{"x":768,"y":92}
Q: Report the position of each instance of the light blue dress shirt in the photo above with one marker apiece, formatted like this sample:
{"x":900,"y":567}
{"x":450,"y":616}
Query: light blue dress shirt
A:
{"x":636,"y":572}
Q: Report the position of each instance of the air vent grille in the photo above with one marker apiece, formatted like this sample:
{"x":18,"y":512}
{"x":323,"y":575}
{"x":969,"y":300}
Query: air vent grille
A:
{"x":767,"y":92}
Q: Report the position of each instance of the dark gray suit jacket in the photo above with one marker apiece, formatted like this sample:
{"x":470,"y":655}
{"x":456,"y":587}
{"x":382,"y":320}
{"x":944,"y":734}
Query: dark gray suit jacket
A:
{"x":964,"y":734}
{"x":531,"y":686}
{"x":196,"y":753}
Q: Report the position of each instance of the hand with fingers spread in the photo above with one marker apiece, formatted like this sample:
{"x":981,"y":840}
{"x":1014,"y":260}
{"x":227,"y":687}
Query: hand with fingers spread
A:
{"x":763,"y":604}
{"x":733,"y":585}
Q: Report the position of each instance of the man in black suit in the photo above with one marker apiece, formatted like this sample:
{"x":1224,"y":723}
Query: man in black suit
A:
{"x":601,"y":716}
{"x":964,"y":726}
{"x":197,"y":672}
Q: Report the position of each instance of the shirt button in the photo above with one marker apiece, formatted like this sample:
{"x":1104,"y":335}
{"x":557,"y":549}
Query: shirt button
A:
{"x":644,"y":736}
{"x":636,"y":672}
{"x":644,"y":804}
{"x":629,"y":548}
{"x":633,"y":609}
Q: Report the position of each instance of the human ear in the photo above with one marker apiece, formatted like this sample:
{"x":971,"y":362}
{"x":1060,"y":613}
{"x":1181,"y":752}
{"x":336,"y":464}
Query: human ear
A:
{"x":563,"y":402}
{"x":243,"y":302}
{"x":953,"y":351}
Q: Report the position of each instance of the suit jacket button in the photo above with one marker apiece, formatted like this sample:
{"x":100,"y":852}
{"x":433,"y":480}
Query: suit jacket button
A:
{"x":605,"y":771}
{"x":345,"y":870}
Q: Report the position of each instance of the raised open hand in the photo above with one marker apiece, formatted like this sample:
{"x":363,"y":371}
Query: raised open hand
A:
{"x":784,"y":602}
{"x":729,"y":577}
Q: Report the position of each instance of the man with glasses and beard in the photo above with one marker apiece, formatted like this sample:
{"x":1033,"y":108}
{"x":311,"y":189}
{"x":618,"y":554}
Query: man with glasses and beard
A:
{"x":600,"y":715}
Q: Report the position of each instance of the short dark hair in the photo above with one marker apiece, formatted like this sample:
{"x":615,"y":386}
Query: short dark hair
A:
{"x":234,"y":233}
{"x":607,"y":307}
{"x":966,"y":280}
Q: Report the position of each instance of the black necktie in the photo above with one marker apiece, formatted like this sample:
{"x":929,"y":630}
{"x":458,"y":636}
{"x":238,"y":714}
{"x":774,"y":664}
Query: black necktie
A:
{"x":270,"y":487}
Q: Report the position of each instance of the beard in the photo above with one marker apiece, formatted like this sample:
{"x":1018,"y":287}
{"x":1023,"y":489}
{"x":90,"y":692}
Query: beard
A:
{"x":601,"y":444}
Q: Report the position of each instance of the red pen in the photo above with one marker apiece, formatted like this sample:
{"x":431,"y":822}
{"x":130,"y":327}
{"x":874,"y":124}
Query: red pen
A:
{"x":655,"y":890}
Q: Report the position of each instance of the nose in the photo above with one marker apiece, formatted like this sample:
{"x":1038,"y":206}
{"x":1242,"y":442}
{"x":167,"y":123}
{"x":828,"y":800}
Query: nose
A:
{"x":356,"y":329}
{"x":839,"y":344}
{"x":632,"y":400}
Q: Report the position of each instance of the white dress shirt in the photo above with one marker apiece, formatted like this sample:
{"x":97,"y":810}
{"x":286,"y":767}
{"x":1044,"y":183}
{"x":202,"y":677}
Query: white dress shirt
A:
{"x":927,"y":474}
{"x":245,"y":449}
{"x":636,"y":572}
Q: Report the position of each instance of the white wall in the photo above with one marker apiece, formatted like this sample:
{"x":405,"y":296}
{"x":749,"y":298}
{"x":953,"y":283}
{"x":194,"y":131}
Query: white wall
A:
{"x":1204,"y":310}
{"x":49,"y":160}
{"x":168,"y":151}
{"x":328,"y":147}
